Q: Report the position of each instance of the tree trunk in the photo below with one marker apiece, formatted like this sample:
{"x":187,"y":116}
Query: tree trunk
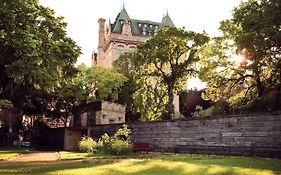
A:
{"x":259,"y":87}
{"x":171,"y":100}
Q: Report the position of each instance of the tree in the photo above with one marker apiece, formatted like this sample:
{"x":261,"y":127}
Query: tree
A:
{"x":165,"y":61}
{"x":89,"y":84}
{"x":35,"y":52}
{"x":254,"y":32}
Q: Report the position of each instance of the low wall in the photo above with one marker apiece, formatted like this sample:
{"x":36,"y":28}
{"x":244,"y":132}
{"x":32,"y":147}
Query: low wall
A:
{"x":72,"y":137}
{"x":51,"y":138}
{"x":248,"y":135}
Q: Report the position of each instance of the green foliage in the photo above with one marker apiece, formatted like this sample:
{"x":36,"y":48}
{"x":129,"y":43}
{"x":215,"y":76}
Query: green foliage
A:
{"x":89,"y":84}
{"x":159,"y":68}
{"x":254,"y":33}
{"x":87,"y":144}
{"x":177,"y":115}
{"x":200,"y":112}
{"x":120,"y":147}
{"x":35,"y":52}
{"x":123,"y":133}
{"x":118,"y":144}
{"x":101,"y":84}
{"x":5,"y":104}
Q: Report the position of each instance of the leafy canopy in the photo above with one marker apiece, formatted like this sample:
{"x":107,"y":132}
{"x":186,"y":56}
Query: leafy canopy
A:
{"x":35,"y":52}
{"x":254,"y":33}
{"x":159,"y":68}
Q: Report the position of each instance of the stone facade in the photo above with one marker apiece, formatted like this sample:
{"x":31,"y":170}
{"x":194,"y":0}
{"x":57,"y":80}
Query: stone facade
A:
{"x":100,"y":113}
{"x":124,"y":35}
{"x":248,"y":135}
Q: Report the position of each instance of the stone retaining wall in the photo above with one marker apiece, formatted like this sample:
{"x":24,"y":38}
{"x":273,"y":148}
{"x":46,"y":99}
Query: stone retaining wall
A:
{"x":248,"y":135}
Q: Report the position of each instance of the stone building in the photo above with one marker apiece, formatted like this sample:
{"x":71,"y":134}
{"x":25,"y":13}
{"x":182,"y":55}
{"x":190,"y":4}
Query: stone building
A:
{"x":123,"y":35}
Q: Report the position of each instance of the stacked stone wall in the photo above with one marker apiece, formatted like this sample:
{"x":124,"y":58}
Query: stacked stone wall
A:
{"x":248,"y":135}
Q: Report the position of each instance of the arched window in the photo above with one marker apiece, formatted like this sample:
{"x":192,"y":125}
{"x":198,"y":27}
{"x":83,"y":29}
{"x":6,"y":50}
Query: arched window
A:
{"x":120,"y":49}
{"x":132,"y":48}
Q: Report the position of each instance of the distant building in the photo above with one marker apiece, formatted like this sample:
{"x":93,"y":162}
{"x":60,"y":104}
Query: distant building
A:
{"x":124,"y":35}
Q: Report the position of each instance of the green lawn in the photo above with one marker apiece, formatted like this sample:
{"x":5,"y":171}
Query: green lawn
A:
{"x":151,"y":164}
{"x":7,"y":153}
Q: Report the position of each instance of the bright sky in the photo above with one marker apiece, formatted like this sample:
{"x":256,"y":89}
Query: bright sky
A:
{"x":82,"y":16}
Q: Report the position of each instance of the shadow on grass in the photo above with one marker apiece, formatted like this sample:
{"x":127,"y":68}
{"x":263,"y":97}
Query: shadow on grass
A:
{"x":228,"y":161}
{"x":166,"y":166}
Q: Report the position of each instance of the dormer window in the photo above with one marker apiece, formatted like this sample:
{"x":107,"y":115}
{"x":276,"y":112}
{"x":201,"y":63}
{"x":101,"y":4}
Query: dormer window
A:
{"x":145,"y":25}
{"x":150,"y":25}
{"x":156,"y":27}
{"x":121,"y":21}
{"x":144,"y":32}
{"x":139,"y":24}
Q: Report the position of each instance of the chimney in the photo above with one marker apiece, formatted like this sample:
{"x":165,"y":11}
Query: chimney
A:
{"x":101,"y":33}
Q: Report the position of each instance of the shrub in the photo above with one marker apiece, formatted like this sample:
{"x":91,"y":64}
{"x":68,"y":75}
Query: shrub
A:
{"x":104,"y":144}
{"x":123,"y":133}
{"x":200,"y":112}
{"x":121,"y":147}
{"x":177,"y":115}
{"x":87,"y":144}
{"x":119,"y":143}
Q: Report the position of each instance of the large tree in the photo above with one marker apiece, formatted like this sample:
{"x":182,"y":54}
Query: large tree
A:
{"x":254,"y":33}
{"x":164,"y":62}
{"x":35,"y":52}
{"x":89,"y":84}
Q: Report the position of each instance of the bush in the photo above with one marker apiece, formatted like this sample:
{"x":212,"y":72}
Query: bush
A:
{"x":177,"y":115}
{"x":119,"y":143}
{"x":200,"y":112}
{"x":121,"y":147}
{"x":104,"y":144}
{"x":87,"y":144}
{"x":123,"y":133}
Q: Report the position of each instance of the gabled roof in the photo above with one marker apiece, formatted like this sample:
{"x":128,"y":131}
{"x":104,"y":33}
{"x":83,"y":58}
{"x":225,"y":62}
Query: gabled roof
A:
{"x":140,"y":27}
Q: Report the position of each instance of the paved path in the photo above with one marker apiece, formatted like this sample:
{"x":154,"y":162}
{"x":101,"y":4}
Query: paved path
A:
{"x":36,"y":156}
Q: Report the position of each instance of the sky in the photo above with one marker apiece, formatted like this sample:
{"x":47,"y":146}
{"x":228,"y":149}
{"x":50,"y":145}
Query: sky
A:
{"x":82,"y":16}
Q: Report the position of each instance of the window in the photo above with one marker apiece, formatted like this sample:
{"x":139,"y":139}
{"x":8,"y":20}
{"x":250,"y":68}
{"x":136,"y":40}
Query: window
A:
{"x":144,"y":31}
{"x":150,"y":25}
{"x":139,"y":24}
{"x":120,"y":49}
{"x":145,"y":25}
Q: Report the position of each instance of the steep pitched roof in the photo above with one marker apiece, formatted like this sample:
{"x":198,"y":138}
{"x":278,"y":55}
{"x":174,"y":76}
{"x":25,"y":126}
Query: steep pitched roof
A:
{"x":166,"y":21}
{"x":140,"y":27}
{"x":122,"y":16}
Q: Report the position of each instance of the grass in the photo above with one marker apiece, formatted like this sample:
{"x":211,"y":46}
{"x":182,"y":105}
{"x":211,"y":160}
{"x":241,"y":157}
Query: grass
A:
{"x":66,"y":155}
{"x":146,"y":164}
{"x":8,"y":153}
